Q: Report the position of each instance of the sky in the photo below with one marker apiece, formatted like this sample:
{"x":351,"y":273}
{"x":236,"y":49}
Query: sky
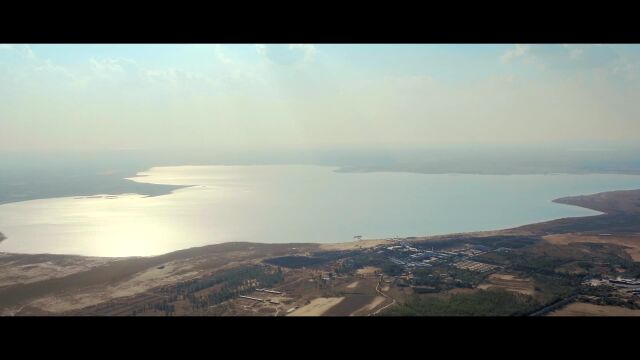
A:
{"x":134,"y":96}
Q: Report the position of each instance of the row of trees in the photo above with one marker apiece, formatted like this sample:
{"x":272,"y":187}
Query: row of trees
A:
{"x":235,"y":282}
{"x":163,"y":306}
{"x":240,"y":281}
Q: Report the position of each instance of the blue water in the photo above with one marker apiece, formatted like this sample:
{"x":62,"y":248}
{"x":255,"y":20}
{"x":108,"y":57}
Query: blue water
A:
{"x":290,"y":204}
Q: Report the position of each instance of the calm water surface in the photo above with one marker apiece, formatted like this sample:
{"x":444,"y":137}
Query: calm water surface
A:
{"x":289,"y":204}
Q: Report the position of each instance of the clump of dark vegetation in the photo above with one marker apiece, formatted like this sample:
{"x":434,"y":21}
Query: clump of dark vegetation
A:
{"x":316,"y":259}
{"x":232,"y":277}
{"x":445,"y":277}
{"x":554,"y":287}
{"x":524,"y":262}
{"x":592,"y":259}
{"x":511,"y":242}
{"x":237,"y":282}
{"x":335,"y":255}
{"x":296,"y":261}
{"x":368,"y":258}
{"x":392,"y":269}
{"x":492,"y":242}
{"x":465,"y":278}
{"x":163,"y":306}
{"x":633,"y":270}
{"x":614,"y":222}
{"x":479,"y":303}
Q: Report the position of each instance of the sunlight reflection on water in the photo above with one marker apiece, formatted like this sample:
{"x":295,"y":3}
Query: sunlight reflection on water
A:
{"x":288,"y":204}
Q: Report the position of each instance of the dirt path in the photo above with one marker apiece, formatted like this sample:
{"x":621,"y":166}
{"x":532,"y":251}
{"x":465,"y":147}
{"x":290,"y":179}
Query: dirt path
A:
{"x":383,"y":294}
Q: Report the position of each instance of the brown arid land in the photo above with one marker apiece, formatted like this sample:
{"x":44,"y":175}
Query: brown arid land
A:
{"x":630,"y":242}
{"x":509,"y":282}
{"x":587,"y":309}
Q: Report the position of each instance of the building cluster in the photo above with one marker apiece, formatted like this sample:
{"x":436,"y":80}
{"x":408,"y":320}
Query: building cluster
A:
{"x":626,"y":285}
{"x":409,"y":256}
{"x":474,"y":266}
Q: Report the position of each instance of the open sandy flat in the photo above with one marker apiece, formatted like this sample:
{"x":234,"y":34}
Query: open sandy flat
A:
{"x":357,"y":305}
{"x":353,"y":285}
{"x":367,"y":271}
{"x":24,"y":269}
{"x":586,"y":309}
{"x":630,"y":242}
{"x":509,"y":282}
{"x":173,"y":272}
{"x":374,"y":303}
{"x":354,"y":245}
{"x":317,"y":307}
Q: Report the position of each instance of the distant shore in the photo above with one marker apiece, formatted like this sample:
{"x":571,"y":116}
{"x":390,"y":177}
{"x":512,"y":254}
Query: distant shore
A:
{"x":483,"y":171}
{"x":87,"y":182}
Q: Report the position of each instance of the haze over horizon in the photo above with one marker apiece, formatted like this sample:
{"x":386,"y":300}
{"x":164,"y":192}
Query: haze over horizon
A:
{"x":109,"y":97}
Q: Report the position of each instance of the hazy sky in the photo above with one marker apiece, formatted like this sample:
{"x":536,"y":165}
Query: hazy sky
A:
{"x":153,"y":96}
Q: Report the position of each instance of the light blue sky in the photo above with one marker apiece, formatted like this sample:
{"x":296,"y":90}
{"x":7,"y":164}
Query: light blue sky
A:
{"x":446,"y":62}
{"x":150,"y":96}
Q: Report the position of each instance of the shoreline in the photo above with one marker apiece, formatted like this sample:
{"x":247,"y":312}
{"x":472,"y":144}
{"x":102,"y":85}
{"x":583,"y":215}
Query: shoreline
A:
{"x":364,"y":170}
{"x":577,"y":201}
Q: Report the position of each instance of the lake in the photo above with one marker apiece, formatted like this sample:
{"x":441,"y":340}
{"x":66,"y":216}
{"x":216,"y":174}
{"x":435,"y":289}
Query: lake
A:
{"x":288,"y":203}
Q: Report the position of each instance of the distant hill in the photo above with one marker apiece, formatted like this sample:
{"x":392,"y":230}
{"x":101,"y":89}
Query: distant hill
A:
{"x":47,"y":176}
{"x":610,"y":202}
{"x":27,"y":176}
{"x":621,"y":214}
